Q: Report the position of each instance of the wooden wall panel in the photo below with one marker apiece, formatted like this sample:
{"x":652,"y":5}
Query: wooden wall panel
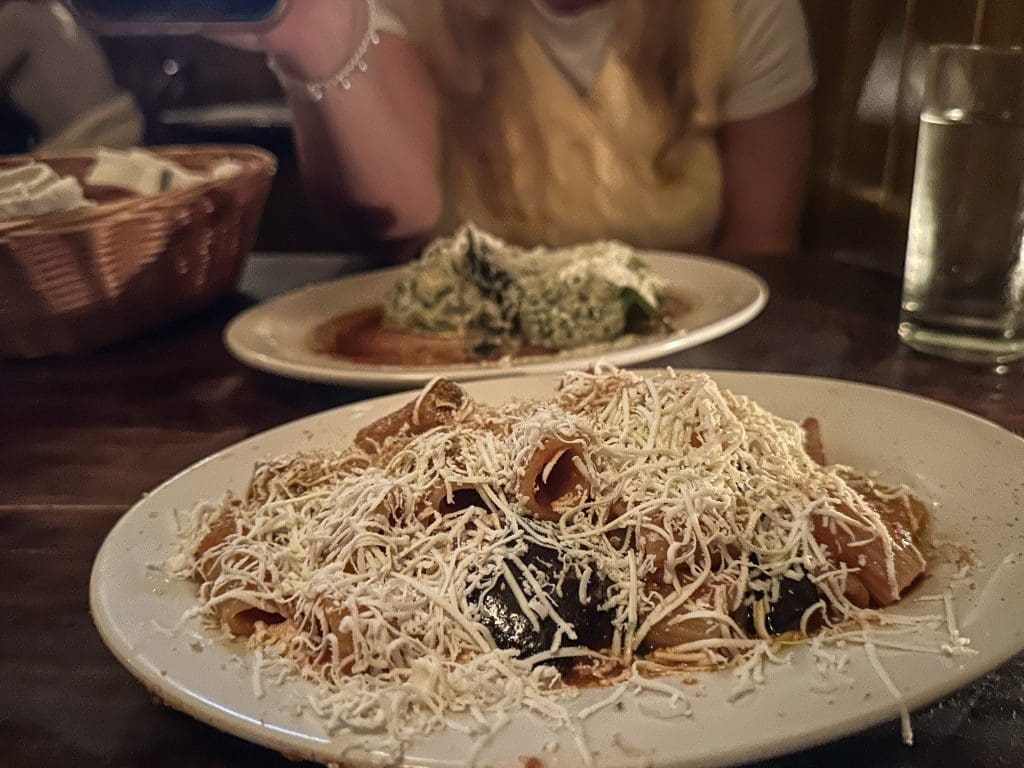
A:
{"x":863,"y":162}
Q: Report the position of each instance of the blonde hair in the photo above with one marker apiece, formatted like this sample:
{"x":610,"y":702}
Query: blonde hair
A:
{"x":467,"y":43}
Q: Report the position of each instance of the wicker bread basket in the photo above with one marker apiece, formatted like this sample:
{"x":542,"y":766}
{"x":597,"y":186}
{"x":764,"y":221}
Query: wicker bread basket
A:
{"x":72,"y":282}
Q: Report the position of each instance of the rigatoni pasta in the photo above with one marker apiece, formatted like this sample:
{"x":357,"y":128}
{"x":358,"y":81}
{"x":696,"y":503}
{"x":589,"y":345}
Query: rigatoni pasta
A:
{"x":630,"y":523}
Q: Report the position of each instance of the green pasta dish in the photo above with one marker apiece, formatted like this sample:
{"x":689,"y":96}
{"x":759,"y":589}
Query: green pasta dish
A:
{"x":500,"y":299}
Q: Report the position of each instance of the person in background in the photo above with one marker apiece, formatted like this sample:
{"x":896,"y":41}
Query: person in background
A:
{"x":55,"y":81}
{"x":661,"y":123}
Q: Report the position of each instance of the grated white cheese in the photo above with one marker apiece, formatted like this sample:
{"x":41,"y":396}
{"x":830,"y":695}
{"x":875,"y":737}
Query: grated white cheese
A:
{"x":906,"y":730}
{"x":699,"y":504}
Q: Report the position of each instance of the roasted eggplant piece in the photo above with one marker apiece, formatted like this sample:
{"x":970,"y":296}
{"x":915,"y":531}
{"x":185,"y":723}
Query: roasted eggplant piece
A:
{"x":511,"y":629}
{"x":782,"y":615}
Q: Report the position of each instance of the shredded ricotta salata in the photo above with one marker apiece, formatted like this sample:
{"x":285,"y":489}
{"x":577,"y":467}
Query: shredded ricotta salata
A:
{"x":461,"y":559}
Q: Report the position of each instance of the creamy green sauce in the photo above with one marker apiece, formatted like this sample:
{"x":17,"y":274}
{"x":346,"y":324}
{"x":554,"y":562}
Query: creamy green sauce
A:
{"x":499,"y":297}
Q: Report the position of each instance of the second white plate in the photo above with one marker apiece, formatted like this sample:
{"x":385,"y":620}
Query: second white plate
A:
{"x":273,"y":336}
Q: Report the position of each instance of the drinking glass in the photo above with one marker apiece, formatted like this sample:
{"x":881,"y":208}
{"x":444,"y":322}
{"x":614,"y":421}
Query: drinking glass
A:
{"x":963,"y":287}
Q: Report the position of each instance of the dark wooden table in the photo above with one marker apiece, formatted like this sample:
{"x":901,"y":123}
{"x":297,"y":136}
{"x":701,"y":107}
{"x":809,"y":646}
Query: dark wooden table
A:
{"x":82,"y":438}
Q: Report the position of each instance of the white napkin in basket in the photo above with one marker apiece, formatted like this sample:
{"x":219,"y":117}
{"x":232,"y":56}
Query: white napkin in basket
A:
{"x":145,"y":173}
{"x":34,"y":189}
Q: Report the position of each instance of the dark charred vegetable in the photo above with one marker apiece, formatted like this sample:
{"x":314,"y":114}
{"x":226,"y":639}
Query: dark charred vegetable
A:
{"x":499,"y":324}
{"x":511,"y":629}
{"x":795,"y":597}
{"x":641,"y":316}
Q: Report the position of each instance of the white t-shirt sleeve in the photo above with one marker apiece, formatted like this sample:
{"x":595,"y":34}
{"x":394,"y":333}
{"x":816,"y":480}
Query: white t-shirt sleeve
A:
{"x":773,"y":65}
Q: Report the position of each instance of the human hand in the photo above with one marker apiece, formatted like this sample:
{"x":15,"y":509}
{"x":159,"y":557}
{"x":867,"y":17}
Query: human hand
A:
{"x":313,"y":38}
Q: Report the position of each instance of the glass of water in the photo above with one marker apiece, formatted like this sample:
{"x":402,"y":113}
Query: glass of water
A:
{"x":963,"y":287}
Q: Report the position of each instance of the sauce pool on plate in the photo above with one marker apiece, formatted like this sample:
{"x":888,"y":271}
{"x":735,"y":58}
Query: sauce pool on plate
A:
{"x":362,"y":336}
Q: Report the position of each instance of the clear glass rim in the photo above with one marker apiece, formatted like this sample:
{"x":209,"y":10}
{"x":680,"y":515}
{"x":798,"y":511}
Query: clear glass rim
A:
{"x":975,"y":48}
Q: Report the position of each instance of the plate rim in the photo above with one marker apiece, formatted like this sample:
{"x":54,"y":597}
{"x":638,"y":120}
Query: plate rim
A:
{"x":244,"y":728}
{"x":391,"y":377}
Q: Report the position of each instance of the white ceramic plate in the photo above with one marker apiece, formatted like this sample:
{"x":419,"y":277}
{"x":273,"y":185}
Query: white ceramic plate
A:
{"x":969,"y":467}
{"x":273,"y":336}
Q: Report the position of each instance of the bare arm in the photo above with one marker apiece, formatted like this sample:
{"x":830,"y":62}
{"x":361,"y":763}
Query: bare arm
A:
{"x":764,"y":162}
{"x":375,"y":145}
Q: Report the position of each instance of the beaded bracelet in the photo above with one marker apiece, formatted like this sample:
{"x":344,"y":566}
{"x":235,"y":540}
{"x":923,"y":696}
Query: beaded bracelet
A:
{"x":315,"y":89}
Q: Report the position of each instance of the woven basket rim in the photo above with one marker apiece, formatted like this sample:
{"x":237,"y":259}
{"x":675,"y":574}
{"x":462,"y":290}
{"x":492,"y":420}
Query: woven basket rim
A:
{"x":254,"y":161}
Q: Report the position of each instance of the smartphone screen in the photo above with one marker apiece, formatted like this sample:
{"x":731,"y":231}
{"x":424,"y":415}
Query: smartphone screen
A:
{"x":175,"y":12}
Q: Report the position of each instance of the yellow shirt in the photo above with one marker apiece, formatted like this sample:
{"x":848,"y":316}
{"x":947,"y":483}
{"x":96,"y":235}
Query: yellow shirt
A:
{"x":582,"y":165}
